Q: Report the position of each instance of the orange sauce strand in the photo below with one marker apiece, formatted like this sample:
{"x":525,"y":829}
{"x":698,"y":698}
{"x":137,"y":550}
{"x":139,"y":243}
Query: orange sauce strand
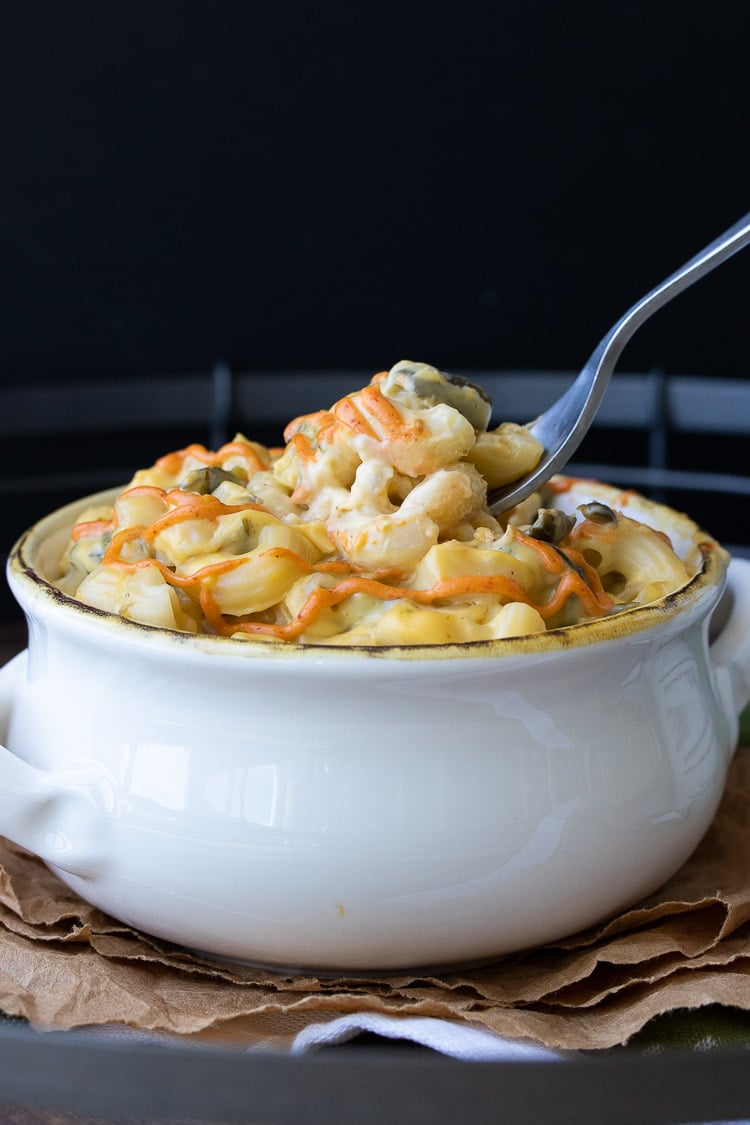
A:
{"x":309,"y":421}
{"x":173,"y":462}
{"x":603,"y":599}
{"x":589,"y":590}
{"x":577,"y":577}
{"x":595,"y":601}
{"x":593,"y":598}
{"x":557,"y":485}
{"x":191,"y":581}
{"x":589,"y":529}
{"x":355,"y":414}
{"x":192,"y":506}
{"x":91,"y":529}
{"x":324,"y":598}
{"x":303,"y":447}
{"x":182,"y":506}
{"x":348,"y":416}
{"x":388,"y":416}
{"x":211,"y":611}
{"x":213,"y":570}
{"x":146,"y":490}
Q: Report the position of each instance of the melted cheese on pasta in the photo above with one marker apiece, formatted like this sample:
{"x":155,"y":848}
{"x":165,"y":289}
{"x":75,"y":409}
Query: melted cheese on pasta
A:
{"x":370,"y":527}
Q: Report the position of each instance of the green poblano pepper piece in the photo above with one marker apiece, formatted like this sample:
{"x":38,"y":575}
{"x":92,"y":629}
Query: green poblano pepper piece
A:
{"x":433,"y":387}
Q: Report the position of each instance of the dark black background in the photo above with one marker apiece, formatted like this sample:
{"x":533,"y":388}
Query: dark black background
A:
{"x":298,"y":185}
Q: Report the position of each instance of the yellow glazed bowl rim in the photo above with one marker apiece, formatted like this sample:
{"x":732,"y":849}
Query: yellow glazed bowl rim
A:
{"x":31,"y":572}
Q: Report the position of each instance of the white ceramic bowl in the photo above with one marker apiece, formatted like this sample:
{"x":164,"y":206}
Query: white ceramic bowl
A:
{"x":346,"y":809}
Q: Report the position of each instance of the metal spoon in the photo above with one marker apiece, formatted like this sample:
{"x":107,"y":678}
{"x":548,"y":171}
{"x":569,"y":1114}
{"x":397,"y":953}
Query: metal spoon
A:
{"x":562,"y":428}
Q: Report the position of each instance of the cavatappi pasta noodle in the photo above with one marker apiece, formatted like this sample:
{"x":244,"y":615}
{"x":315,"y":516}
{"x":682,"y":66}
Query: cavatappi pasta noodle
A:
{"x":370,"y":527}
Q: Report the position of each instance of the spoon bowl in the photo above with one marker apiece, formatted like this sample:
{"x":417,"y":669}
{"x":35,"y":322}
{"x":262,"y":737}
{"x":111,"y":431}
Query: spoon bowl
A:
{"x":562,"y":428}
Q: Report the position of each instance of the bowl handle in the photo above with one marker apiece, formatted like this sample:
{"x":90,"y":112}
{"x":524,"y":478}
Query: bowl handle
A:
{"x":60,"y":816}
{"x":730,"y":652}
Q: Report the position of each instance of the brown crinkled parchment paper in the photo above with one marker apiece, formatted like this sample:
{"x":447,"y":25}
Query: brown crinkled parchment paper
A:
{"x":64,"y":964}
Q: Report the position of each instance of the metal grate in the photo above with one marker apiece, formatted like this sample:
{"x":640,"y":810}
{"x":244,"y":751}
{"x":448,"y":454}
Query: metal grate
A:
{"x":681,"y":439}
{"x":656,"y":402}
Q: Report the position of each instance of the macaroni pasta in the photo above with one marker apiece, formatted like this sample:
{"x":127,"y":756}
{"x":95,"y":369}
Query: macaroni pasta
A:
{"x":370,"y":527}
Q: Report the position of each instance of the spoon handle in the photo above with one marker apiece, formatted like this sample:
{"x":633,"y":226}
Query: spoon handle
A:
{"x":594,"y":378}
{"x":702,"y":263}
{"x":562,"y":428}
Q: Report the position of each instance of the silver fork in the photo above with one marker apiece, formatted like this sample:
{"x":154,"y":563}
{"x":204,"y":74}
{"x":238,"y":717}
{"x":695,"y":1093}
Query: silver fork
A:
{"x":562,"y":428}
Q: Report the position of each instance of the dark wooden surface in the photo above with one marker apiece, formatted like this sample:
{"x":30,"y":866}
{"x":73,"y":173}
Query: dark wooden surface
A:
{"x":56,"y":1077}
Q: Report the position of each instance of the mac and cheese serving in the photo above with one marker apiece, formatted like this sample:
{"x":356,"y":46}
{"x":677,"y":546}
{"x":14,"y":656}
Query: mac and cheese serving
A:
{"x":370,"y":527}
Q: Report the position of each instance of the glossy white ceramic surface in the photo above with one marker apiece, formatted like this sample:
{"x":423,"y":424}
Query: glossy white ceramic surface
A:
{"x":344,"y":810}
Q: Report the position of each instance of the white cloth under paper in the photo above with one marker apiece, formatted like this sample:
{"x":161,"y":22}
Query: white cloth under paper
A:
{"x":472,"y":1044}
